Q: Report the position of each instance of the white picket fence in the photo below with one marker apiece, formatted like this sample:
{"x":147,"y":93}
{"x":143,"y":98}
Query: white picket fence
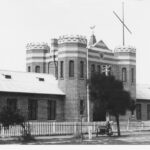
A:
{"x":69,"y":128}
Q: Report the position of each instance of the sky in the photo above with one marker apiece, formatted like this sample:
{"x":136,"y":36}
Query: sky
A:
{"x":24,"y":21}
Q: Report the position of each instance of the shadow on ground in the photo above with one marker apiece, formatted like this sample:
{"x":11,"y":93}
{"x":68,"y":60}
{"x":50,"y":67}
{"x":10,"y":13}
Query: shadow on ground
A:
{"x":131,"y":139}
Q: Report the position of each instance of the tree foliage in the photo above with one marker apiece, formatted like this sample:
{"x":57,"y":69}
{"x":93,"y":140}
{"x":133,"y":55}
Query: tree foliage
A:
{"x":110,"y":92}
{"x":9,"y":117}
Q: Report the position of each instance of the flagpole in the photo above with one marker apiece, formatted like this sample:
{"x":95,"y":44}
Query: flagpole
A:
{"x":88,"y":103}
{"x":87,"y":78}
{"x":123,"y":24}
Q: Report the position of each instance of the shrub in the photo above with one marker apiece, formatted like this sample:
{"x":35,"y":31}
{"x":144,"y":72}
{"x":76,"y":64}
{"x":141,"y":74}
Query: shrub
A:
{"x":9,"y":117}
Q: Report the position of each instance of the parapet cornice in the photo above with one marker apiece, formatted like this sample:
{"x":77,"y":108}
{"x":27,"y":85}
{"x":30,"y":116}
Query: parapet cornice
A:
{"x":37,"y":45}
{"x":125,"y":49}
{"x":72,"y":39}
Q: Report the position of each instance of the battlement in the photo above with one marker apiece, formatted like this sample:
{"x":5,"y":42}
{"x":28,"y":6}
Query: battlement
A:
{"x":125,"y":49}
{"x":38,"y":45}
{"x":72,"y":39}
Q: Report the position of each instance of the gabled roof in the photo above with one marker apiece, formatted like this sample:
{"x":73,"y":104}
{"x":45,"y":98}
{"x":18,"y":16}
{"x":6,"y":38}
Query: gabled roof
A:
{"x":143,"y":92}
{"x":100,"y":47}
{"x":101,"y":44}
{"x":23,"y":82}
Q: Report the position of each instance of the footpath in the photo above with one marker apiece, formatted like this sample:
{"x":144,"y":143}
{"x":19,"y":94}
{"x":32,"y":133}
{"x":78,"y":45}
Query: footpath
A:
{"x":130,"y":138}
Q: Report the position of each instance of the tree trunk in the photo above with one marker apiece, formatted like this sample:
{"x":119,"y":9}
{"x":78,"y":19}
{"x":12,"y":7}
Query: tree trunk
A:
{"x":118,"y":126}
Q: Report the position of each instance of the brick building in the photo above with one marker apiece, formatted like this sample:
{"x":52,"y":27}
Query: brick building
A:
{"x":36,"y":95}
{"x":143,"y":102}
{"x":66,"y":59}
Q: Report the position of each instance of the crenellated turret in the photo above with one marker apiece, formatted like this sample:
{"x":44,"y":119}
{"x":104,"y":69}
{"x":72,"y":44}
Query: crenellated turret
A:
{"x":72,"y":74}
{"x":36,"y":57}
{"x":126,"y":50}
{"x":38,"y":46}
{"x":72,"y":39}
{"x":126,"y":57}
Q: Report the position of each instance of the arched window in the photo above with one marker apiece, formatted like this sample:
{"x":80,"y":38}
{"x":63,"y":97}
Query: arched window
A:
{"x":124,"y":74}
{"x":61,"y":69}
{"x":71,"y":68}
{"x":49,"y":67}
{"x":29,"y":69}
{"x":81,"y":69}
{"x":132,"y":75}
{"x":92,"y":68}
{"x":37,"y":69}
{"x":99,"y":69}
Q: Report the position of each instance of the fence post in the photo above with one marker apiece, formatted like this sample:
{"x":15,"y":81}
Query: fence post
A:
{"x":2,"y":132}
{"x":128,"y":125}
{"x":75,"y":128}
{"x":112,"y":126}
{"x":90,"y":132}
{"x":142,"y":125}
{"x":54,"y":127}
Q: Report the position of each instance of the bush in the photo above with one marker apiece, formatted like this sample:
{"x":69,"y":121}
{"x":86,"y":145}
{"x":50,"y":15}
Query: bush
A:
{"x":9,"y":117}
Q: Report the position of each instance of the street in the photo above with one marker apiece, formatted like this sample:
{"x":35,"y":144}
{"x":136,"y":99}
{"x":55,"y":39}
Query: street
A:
{"x":132,"y":138}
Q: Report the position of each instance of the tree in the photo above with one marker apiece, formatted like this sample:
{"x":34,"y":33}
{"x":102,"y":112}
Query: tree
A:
{"x":9,"y":117}
{"x":110,"y":92}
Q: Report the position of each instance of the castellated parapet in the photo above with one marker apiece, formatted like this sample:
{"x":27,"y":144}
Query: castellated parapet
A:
{"x":128,"y":49}
{"x":72,"y":39}
{"x":38,"y":46}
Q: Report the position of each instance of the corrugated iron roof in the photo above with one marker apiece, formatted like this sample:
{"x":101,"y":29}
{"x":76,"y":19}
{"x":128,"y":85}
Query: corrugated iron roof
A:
{"x":23,"y":82}
{"x":143,"y":91}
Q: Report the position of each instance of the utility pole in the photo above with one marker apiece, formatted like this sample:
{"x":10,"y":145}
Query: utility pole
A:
{"x":88,"y":100}
{"x":87,"y":84}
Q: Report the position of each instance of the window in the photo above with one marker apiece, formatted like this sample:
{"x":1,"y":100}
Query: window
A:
{"x":12,"y":104}
{"x":7,"y":76}
{"x":124,"y":74}
{"x":81,"y":107}
{"x":148,"y":111}
{"x":138,"y":111}
{"x":51,"y":110}
{"x":49,"y":67}
{"x":61,"y":69}
{"x":32,"y":109}
{"x":132,"y":75}
{"x":29,"y":69}
{"x":81,"y":69}
{"x":37,"y":69}
{"x":99,"y":69}
{"x":41,"y":79}
{"x":71,"y":68}
{"x":92,"y":68}
{"x":106,"y":70}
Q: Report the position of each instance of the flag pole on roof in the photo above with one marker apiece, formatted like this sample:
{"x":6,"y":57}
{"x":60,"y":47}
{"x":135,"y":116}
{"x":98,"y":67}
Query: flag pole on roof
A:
{"x":123,"y":24}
